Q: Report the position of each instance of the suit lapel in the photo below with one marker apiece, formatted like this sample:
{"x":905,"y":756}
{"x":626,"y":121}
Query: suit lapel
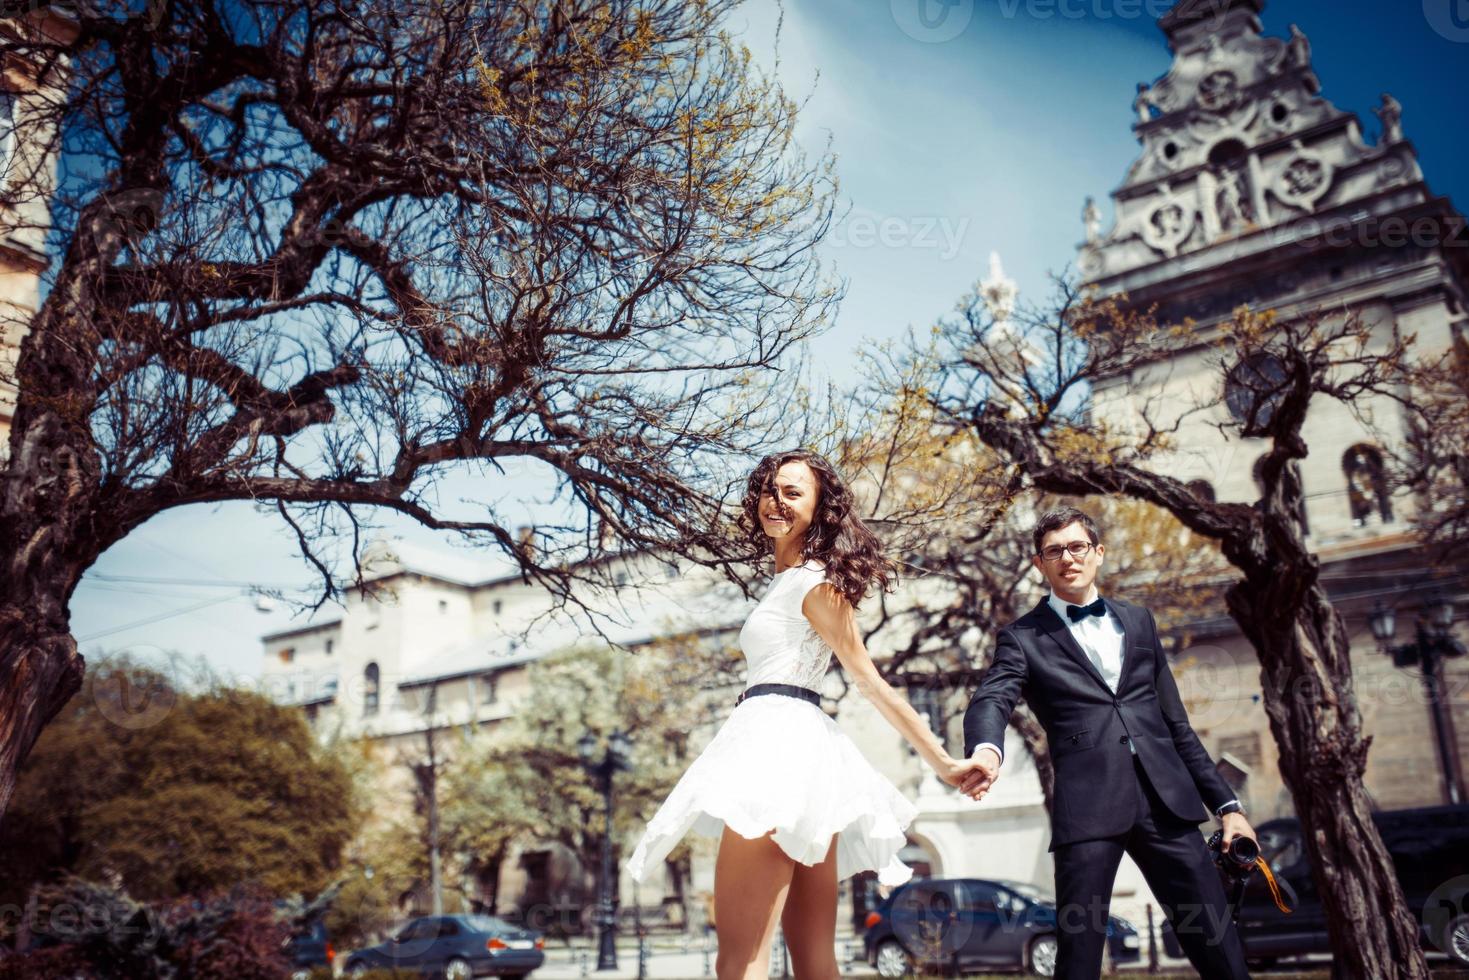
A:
{"x":1054,"y":627}
{"x":1124,"y":658}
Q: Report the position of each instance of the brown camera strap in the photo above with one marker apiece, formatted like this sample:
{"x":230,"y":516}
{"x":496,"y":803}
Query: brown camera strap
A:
{"x":1274,"y":885}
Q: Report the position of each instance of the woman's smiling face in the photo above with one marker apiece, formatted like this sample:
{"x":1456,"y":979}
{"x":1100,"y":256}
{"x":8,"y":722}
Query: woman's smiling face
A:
{"x":788,"y":512}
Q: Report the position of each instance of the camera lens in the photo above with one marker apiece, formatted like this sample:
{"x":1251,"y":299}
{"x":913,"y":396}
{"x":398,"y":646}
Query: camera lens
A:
{"x":1244,"y":851}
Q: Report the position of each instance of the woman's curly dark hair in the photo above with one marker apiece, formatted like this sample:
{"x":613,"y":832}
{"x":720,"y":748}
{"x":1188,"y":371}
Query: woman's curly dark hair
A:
{"x":837,"y":537}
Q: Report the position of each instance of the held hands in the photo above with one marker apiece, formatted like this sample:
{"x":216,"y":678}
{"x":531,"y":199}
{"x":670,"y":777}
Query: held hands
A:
{"x":955,"y":772}
{"x":978,"y":773}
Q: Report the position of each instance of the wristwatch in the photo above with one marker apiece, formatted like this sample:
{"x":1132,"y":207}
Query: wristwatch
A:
{"x":1233,"y":806}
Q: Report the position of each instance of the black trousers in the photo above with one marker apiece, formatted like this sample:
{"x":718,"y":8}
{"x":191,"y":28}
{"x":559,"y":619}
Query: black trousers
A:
{"x":1177,"y":866}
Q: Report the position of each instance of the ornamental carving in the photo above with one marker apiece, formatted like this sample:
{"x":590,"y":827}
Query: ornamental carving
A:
{"x":1391,"y":170}
{"x":1219,"y":92}
{"x":1303,"y":176}
{"x":1304,"y":179}
{"x":1168,"y":225}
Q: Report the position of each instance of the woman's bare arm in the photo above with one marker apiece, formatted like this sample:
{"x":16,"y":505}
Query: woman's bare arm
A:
{"x":834,"y":620}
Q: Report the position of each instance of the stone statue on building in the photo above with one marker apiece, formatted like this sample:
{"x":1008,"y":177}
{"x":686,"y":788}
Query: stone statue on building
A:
{"x":1091,"y":218}
{"x":1299,"y":48}
{"x":1143,"y":104}
{"x":1232,"y":205}
{"x":1391,"y":114}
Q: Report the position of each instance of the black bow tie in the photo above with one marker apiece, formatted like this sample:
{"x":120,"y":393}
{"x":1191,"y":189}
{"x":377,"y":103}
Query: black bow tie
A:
{"x":1077,"y":613}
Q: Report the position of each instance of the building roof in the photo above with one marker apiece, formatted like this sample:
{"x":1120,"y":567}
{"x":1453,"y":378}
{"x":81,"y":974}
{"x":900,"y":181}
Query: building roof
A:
{"x":385,"y":558}
{"x":301,"y":630}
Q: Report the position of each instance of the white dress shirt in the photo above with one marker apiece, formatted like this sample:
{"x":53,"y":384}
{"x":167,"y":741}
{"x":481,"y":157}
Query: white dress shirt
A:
{"x":1100,"y":638}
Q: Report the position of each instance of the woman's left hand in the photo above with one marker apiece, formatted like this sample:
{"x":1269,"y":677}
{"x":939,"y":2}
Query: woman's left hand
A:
{"x":954,"y":770}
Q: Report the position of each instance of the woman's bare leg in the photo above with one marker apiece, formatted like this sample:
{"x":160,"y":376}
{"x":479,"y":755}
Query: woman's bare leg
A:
{"x":810,"y":918}
{"x":751,"y":878}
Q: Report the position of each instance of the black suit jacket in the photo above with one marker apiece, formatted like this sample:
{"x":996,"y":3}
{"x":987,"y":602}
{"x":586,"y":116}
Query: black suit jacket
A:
{"x":1088,"y":727}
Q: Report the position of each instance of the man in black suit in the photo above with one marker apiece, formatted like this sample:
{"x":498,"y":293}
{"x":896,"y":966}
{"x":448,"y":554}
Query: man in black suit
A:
{"x":1131,"y":774}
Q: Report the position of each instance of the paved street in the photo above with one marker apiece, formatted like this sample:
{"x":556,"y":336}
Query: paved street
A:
{"x":668,"y":958}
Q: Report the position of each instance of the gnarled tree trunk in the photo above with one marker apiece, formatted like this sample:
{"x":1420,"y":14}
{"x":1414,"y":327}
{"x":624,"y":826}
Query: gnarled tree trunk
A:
{"x":1306,"y":677}
{"x":42,"y":670}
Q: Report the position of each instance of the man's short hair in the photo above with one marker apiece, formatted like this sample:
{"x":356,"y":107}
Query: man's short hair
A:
{"x":1055,"y":520}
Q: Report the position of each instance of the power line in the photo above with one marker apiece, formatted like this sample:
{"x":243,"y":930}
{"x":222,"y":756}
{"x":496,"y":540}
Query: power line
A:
{"x":199,"y":582}
{"x":160,"y":617}
{"x":131,"y":590}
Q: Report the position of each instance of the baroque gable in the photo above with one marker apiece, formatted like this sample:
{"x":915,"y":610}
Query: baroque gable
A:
{"x":1236,"y":139}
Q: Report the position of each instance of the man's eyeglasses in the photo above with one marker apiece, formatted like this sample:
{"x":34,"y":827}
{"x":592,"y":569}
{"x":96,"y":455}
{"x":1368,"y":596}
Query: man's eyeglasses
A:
{"x":1076,"y":549}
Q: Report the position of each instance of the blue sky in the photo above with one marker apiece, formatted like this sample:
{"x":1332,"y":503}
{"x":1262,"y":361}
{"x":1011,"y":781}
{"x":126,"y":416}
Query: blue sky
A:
{"x":984,"y":130}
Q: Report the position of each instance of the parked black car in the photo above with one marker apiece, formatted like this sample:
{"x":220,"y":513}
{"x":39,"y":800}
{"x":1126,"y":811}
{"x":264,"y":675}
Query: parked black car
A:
{"x":455,"y":947}
{"x":972,"y":924}
{"x":309,"y":949}
{"x":1430,"y":850}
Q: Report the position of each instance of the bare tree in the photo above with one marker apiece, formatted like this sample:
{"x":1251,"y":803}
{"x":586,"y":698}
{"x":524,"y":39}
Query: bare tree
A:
{"x":958,"y":516}
{"x":1028,"y":393}
{"x":323,"y":255}
{"x":1434,"y":461}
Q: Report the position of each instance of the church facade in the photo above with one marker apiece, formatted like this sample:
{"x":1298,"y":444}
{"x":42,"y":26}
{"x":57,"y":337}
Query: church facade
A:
{"x":1252,"y":189}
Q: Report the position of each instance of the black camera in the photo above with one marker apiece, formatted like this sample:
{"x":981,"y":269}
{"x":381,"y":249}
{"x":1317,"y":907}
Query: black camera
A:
{"x":1240,"y":860}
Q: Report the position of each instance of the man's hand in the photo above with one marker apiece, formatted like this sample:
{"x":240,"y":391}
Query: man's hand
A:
{"x":986,"y":770}
{"x":955,"y":771}
{"x":1235,"y":825}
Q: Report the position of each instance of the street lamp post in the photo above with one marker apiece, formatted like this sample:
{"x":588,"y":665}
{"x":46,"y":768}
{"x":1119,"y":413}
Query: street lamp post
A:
{"x":617,"y":757}
{"x":1434,"y":641}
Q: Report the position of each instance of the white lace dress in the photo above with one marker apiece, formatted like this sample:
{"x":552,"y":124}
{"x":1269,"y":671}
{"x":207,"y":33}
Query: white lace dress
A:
{"x":781,"y":764}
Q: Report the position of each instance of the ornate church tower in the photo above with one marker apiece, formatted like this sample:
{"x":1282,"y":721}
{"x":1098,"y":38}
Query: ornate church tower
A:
{"x":1253,"y":189}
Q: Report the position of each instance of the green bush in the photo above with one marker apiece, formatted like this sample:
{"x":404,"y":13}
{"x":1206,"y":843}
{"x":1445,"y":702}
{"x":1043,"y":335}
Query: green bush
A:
{"x":191,"y":795}
{"x":98,"y":932}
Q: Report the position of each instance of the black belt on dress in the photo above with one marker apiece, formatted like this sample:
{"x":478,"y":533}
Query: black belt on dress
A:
{"x":789,"y":690}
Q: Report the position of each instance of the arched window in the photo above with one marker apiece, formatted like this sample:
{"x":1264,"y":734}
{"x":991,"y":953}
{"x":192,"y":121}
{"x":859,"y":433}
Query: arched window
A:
{"x":1367,"y":489}
{"x":1202,"y":489}
{"x":370,"y":694}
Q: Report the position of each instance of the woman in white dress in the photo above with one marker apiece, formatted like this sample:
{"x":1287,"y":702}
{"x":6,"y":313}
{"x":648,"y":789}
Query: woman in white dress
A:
{"x":795,"y":806}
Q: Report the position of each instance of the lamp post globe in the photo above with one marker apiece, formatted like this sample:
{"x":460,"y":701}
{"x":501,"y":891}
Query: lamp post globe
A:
{"x":1383,"y":622}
